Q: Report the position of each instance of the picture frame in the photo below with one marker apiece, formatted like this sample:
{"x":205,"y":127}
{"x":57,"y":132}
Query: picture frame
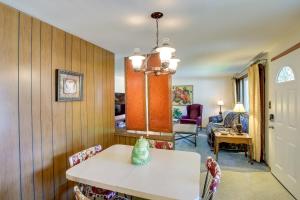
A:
{"x":69,"y":85}
{"x":182,"y":95}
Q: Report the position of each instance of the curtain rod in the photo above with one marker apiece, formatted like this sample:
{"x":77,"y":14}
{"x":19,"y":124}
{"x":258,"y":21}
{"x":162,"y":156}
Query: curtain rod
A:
{"x":259,"y":61}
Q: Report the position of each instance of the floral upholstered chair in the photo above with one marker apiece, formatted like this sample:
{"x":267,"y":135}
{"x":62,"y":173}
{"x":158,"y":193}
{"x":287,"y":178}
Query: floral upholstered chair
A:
{"x":158,"y":144}
{"x":80,"y":196}
{"x":90,"y":191}
{"x":212,"y":179}
{"x":84,"y":154}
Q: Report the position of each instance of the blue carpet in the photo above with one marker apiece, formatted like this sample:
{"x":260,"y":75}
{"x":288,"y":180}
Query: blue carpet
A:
{"x":228,"y":160}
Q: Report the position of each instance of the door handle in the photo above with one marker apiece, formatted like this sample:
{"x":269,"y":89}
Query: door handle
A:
{"x":271,"y":127}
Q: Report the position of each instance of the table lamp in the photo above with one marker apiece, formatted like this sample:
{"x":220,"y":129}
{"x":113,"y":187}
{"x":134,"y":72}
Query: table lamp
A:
{"x":239,"y":108}
{"x":220,"y":103}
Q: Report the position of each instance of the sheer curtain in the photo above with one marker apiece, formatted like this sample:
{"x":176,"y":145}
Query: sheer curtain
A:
{"x":255,"y":110}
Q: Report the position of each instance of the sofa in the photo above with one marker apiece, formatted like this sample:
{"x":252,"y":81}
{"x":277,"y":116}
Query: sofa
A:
{"x":228,"y":119}
{"x":194,"y":115}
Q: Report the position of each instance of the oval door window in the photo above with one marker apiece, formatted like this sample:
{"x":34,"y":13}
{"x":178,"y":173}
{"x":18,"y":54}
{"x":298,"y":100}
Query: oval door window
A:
{"x":285,"y":74}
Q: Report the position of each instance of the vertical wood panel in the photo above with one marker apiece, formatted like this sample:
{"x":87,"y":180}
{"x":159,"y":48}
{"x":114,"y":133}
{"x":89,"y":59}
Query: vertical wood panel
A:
{"x":133,"y":140}
{"x":90,"y":91}
{"x":69,"y":112}
{"x":59,"y":138}
{"x":116,"y":139}
{"x":128,"y":140}
{"x":112,"y":90}
{"x":76,"y":104}
{"x":46,"y":110}
{"x":111,"y":95}
{"x":36,"y":108}
{"x":105,"y":98}
{"x":10,"y":169}
{"x":98,"y":96}
{"x":159,"y":103}
{"x":83,"y":103}
{"x":27,"y":184}
{"x":135,"y":98}
{"x":122,"y":140}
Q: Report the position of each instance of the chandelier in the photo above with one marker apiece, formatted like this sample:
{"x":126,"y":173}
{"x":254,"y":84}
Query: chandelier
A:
{"x":168,"y":62}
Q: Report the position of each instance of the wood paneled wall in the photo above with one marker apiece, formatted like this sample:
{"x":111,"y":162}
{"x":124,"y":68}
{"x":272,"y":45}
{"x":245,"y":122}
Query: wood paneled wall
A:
{"x":37,"y":133}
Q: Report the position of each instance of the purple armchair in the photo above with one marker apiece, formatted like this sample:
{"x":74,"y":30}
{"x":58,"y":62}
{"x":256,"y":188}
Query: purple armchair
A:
{"x":194,"y":115}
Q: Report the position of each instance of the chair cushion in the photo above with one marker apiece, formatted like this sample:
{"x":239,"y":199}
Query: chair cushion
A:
{"x":117,"y":197}
{"x":231,"y":120}
{"x":78,"y":194}
{"x":215,"y":171}
{"x":214,"y":183}
{"x":245,"y":123}
{"x":188,"y":121}
{"x":161,"y":144}
{"x":84,"y":154}
{"x":98,"y":193}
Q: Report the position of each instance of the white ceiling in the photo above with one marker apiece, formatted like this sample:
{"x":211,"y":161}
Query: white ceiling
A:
{"x":212,"y":37}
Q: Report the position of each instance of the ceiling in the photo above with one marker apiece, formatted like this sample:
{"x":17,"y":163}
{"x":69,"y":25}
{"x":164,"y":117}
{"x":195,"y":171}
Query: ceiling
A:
{"x":212,"y":37}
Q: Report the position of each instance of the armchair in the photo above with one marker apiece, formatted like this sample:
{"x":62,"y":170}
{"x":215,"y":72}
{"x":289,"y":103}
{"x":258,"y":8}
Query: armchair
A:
{"x":194,"y":115}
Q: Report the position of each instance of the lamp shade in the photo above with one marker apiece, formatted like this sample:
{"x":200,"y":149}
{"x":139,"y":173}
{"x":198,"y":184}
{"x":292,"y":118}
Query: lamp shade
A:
{"x":220,"y":103}
{"x":173,"y":64}
{"x":239,"y":108}
{"x":137,"y":59}
{"x":165,"y":51}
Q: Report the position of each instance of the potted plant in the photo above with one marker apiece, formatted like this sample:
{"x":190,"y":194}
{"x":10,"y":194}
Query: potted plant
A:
{"x":177,"y":113}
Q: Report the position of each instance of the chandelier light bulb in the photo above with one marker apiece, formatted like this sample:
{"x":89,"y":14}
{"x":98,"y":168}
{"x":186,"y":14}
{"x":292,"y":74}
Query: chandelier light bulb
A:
{"x":165,"y":51}
{"x":137,"y":59}
{"x":173,"y":64}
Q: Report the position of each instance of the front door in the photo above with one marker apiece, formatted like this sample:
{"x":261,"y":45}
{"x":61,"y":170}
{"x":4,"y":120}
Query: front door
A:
{"x":285,"y":127}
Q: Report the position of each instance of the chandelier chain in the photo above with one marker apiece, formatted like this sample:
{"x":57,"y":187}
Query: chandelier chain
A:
{"x":157,"y":32}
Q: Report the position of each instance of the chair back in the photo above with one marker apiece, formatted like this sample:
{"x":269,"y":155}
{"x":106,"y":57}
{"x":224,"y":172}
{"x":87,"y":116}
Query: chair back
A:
{"x":79,"y":195}
{"x":194,"y":110}
{"x":212,"y":179}
{"x":158,"y":144}
{"x":77,"y":158}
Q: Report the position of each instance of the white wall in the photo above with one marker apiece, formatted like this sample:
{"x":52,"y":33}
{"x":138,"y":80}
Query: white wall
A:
{"x":119,"y":84}
{"x":207,"y":91}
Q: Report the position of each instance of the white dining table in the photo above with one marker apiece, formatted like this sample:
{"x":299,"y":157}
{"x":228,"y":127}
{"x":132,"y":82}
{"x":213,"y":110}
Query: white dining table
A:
{"x":170,"y":174}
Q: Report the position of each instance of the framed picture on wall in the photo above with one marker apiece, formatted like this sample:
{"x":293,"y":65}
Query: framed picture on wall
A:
{"x":182,"y":95}
{"x":69,"y":85}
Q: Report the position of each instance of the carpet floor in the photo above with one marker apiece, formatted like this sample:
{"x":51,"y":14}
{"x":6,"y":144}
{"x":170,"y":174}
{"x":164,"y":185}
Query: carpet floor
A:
{"x":228,"y":160}
{"x":240,"y":180}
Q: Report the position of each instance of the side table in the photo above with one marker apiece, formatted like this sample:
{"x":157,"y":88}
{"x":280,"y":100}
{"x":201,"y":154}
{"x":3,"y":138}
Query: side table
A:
{"x":233,"y":139}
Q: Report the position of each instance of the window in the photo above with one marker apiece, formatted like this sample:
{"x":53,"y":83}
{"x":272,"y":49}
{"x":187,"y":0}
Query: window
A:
{"x":286,"y":74}
{"x":246,"y":95}
{"x":243,"y":92}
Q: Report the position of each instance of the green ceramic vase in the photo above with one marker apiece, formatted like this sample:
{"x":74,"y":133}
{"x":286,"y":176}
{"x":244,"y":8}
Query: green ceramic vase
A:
{"x":140,"y":154}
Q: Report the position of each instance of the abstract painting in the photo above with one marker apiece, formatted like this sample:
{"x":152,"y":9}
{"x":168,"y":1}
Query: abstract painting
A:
{"x":182,"y":95}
